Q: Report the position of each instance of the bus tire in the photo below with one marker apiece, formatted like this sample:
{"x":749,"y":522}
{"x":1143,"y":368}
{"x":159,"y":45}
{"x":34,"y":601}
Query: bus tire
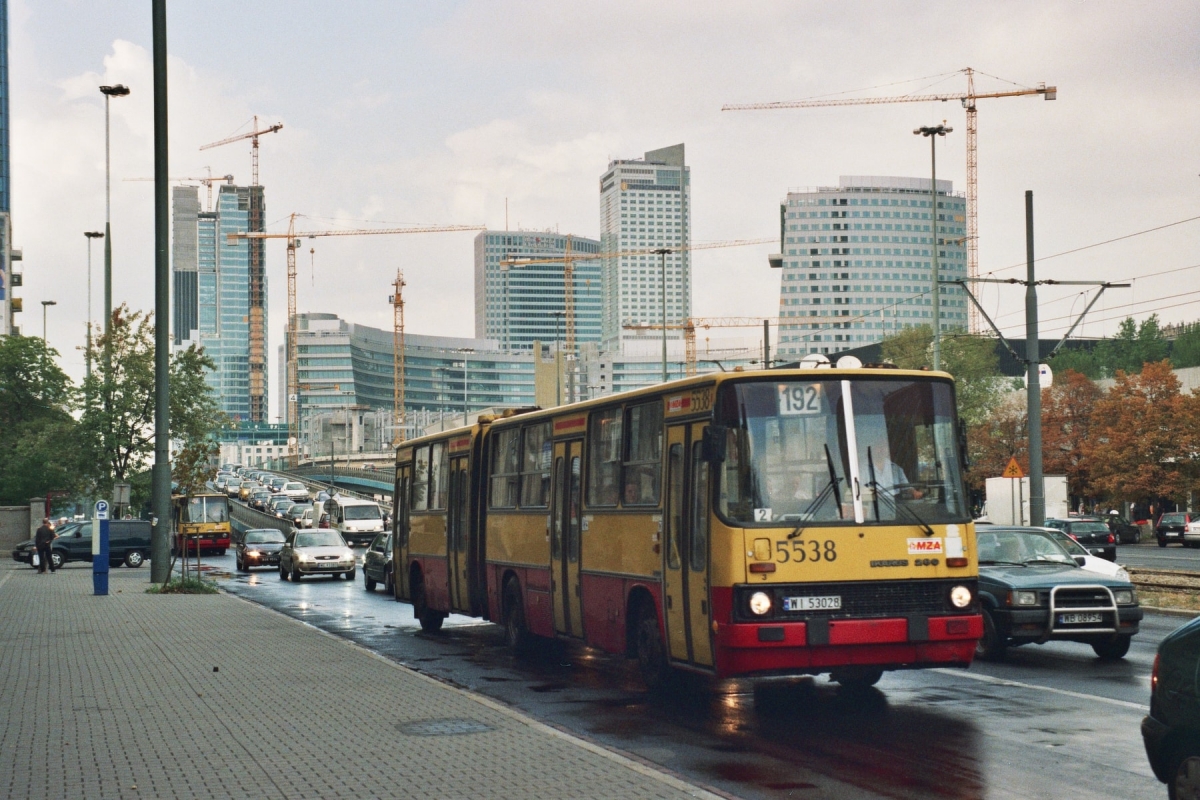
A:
{"x":651,"y":653}
{"x":516,"y":633}
{"x":431,"y":621}
{"x":856,"y":678}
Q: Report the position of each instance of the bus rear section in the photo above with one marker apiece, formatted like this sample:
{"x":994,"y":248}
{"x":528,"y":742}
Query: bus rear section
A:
{"x":839,"y":508}
{"x":201,"y":523}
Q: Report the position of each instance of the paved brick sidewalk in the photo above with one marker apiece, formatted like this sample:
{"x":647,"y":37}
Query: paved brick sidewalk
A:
{"x":106,"y":697}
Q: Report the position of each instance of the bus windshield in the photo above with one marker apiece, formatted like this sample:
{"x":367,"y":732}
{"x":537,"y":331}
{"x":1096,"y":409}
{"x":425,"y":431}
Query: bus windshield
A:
{"x":849,"y":451}
{"x":360,"y":512}
{"x":206,"y":509}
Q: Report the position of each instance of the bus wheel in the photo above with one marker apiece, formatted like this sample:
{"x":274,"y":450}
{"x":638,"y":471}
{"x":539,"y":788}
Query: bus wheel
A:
{"x":431,"y":621}
{"x":515,"y":633}
{"x":651,"y":653}
{"x":856,"y":678}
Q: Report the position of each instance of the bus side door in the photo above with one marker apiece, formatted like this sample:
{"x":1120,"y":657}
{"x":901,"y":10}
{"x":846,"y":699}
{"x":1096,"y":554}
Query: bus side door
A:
{"x":400,"y":503}
{"x":565,"y":546}
{"x":456,"y":536}
{"x":685,"y":551}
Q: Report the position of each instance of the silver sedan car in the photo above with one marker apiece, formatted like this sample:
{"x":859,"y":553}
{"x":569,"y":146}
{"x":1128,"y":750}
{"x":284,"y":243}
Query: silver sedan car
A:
{"x":321,"y":552}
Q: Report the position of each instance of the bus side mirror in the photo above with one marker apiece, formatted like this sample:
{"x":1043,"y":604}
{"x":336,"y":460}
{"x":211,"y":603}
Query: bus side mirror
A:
{"x":712,"y":446}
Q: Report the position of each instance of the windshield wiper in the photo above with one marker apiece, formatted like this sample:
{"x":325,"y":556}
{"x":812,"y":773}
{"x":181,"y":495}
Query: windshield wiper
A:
{"x":874,"y":485}
{"x":833,"y":481}
{"x":896,"y":506}
{"x":813,"y":506}
{"x":1002,"y":563}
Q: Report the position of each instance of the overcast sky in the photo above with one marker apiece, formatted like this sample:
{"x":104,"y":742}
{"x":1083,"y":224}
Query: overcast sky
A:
{"x":398,"y":112}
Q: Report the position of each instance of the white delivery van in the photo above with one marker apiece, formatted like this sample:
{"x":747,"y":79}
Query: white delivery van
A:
{"x":357,"y":520}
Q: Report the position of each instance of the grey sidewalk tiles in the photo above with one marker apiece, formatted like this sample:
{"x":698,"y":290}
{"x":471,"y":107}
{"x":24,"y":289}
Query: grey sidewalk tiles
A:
{"x":143,"y":696}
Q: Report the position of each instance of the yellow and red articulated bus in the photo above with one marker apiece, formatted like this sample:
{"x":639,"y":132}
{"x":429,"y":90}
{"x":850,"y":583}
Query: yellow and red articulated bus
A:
{"x":741,"y":524}
{"x":201,"y":523}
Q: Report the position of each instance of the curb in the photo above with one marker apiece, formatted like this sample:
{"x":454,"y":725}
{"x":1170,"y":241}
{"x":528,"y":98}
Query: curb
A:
{"x":650,"y":770}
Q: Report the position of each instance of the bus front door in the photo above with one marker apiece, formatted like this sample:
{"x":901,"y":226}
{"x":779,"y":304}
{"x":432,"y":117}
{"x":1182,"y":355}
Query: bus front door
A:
{"x":565,"y":545}
{"x":456,"y":536}
{"x":400,"y":531}
{"x":685,"y":550}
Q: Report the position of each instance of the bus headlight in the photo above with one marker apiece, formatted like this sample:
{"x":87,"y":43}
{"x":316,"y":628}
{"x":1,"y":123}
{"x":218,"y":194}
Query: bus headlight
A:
{"x":760,"y":603}
{"x":960,"y":597}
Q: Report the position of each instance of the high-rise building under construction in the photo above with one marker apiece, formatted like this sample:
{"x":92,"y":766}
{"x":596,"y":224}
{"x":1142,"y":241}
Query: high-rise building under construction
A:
{"x":220,"y":294}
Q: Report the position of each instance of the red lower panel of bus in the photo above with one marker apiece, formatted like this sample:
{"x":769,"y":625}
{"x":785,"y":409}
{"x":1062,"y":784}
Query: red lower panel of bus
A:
{"x":535,"y":591}
{"x":435,"y":573}
{"x":207,"y":544}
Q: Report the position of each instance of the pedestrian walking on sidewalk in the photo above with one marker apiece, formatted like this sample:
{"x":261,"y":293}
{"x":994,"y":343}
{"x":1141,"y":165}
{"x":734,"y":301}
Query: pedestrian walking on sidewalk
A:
{"x":42,"y":539}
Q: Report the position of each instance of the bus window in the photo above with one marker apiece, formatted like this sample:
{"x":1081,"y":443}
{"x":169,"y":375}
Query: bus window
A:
{"x":643,"y":465}
{"x":420,"y":484}
{"x":535,"y":466}
{"x":505,"y":468}
{"x":573,"y":531}
{"x":604,"y":458}
{"x":439,"y":468}
{"x":698,"y":548}
{"x":206,"y":509}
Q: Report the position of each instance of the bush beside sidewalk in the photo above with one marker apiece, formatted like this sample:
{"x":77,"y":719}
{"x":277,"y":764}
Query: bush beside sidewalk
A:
{"x":141,"y":695}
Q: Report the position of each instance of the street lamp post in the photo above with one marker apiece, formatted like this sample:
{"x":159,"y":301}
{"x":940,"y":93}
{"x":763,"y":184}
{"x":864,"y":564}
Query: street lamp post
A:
{"x":932,"y":132}
{"x":88,"y":361}
{"x":109,"y":92}
{"x":662,"y":253}
{"x":45,"y":304}
{"x":558,"y":315}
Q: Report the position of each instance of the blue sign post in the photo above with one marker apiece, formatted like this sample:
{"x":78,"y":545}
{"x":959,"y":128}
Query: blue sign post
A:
{"x":100,"y":548}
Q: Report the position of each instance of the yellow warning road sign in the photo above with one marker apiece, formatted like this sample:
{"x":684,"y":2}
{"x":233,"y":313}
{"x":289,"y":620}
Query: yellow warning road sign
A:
{"x":1013,"y":470}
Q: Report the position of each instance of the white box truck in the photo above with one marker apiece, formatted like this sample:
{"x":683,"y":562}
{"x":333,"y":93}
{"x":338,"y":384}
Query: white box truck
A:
{"x":1008,"y":499}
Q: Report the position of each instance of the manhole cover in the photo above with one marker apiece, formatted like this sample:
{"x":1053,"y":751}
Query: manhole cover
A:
{"x":442,"y":727}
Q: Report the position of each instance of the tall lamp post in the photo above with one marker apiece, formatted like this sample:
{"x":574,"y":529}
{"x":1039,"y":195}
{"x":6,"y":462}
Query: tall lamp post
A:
{"x":45,"y":305}
{"x":558,"y":316}
{"x":109,"y":92}
{"x":932,"y":132}
{"x":88,"y":361}
{"x":662,"y":254}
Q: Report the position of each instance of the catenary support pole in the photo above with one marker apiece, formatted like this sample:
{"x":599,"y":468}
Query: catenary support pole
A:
{"x":1037,"y":490}
{"x":160,"y":546}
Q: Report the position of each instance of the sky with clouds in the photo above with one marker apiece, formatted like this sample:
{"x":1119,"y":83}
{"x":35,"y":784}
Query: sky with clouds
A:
{"x":406,"y":112}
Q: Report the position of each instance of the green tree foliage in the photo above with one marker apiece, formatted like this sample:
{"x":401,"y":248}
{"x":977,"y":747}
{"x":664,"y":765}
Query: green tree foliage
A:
{"x":37,"y":431}
{"x":1185,"y":350}
{"x":972,"y":360}
{"x":118,"y":422}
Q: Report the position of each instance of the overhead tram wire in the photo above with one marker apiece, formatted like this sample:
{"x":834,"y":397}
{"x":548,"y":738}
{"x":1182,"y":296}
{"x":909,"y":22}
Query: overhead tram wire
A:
{"x":1084,"y":294}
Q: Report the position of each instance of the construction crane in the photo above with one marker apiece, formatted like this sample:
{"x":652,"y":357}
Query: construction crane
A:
{"x":569,"y":258}
{"x":257,"y":321}
{"x":293,"y":241}
{"x":968,"y":99}
{"x":208,"y":181}
{"x":253,"y":137}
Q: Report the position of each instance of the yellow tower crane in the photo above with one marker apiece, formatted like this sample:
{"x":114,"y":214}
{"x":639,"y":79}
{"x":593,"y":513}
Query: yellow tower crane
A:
{"x":968,"y":99}
{"x":207,"y":180}
{"x":689,"y":326}
{"x":293,"y":241}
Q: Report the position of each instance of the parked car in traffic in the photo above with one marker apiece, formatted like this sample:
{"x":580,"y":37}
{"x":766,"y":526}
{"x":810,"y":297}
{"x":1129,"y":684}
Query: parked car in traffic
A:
{"x":377,"y":563}
{"x":279,"y":505}
{"x":1090,"y":532}
{"x":295,"y":490}
{"x":258,"y":547}
{"x":1033,"y":591}
{"x":316,"y":553}
{"x":1125,"y":531}
{"x":233,"y":488}
{"x":258,"y":500}
{"x":248,"y":488}
{"x":1085,"y":559}
{"x":275,"y":483}
{"x":1171,"y":731}
{"x":1171,"y":527}
{"x":128,"y":544}
{"x":301,"y":515}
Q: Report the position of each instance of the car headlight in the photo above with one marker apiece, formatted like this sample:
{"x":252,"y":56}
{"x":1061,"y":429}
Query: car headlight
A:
{"x":305,"y":558}
{"x":1024,"y":598}
{"x":760,"y":603}
{"x":961,"y":597}
{"x":253,"y":553}
{"x":1124,"y":597}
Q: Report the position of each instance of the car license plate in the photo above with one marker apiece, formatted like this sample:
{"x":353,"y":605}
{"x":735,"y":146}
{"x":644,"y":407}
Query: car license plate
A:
{"x":830,"y":602}
{"x":1075,"y":619}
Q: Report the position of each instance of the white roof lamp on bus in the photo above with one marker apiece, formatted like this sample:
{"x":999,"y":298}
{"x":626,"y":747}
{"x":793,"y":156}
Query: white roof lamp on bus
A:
{"x":789,"y":446}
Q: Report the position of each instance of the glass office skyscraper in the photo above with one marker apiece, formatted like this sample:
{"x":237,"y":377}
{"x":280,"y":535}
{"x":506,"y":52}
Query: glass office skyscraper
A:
{"x":516,"y":304}
{"x":857,"y":262}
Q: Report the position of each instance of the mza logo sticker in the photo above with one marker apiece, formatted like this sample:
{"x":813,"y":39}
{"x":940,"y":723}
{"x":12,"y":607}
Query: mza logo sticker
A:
{"x":924,"y":546}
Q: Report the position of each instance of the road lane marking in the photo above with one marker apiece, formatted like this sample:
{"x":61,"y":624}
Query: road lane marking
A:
{"x":976,"y":676}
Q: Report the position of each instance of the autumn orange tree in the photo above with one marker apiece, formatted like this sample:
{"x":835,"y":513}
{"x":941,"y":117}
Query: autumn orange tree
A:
{"x":1002,"y":436}
{"x":1144,"y":438}
{"x":1067,"y":416}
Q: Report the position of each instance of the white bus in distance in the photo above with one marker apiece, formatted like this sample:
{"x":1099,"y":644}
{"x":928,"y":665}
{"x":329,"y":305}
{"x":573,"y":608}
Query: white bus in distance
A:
{"x":358,"y":521}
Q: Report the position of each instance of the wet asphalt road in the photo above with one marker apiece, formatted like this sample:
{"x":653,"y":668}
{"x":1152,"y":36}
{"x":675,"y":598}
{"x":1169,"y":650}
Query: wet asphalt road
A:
{"x":1052,"y":722}
{"x":1148,"y":554}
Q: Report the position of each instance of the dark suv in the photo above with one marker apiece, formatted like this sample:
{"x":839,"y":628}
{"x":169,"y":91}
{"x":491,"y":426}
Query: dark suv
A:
{"x":1171,"y":527}
{"x":1090,"y":532}
{"x":1171,"y":732}
{"x":128,"y":544}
